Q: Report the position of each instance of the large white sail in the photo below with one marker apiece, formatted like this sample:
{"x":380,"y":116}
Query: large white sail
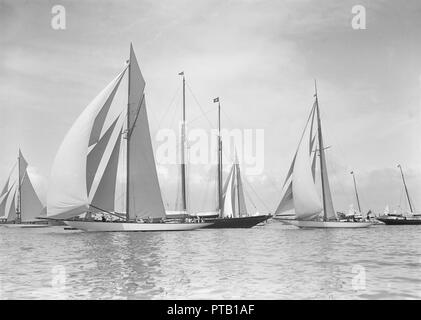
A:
{"x":102,"y":197}
{"x":6,"y":199}
{"x":329,"y":213}
{"x":241,"y":202}
{"x":227,"y":196}
{"x":31,"y":205}
{"x":286,"y":205}
{"x":145,"y":198}
{"x":306,"y":199}
{"x":11,"y":204}
{"x":67,"y":193}
{"x":234,"y":204}
{"x":5,"y":188}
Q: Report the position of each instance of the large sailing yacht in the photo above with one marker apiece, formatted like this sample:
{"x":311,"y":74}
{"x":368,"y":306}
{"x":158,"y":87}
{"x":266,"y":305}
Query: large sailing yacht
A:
{"x":409,"y":218}
{"x":85,"y":170}
{"x":20,"y":206}
{"x":300,"y":192}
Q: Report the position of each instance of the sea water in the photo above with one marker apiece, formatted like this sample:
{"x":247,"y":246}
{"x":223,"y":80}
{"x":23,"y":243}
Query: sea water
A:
{"x":272,"y":261}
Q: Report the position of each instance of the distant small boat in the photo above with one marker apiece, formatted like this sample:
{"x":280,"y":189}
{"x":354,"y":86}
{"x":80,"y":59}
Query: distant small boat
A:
{"x":410,"y":218}
{"x":19,"y":203}
{"x":85,"y":170}
{"x":301,"y":193}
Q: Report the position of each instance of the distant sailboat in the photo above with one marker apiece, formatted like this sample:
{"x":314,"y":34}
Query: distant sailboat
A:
{"x":301,"y":193}
{"x":231,"y":202}
{"x":84,"y":173}
{"x":20,"y":205}
{"x":409,"y":218}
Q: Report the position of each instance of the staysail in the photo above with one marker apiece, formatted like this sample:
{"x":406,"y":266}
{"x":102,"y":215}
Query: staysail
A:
{"x":234,"y":204}
{"x":5,"y":201}
{"x":286,"y":205}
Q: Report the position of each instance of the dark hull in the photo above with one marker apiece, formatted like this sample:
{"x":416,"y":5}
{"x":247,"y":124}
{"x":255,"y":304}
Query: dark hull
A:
{"x":400,"y":222}
{"x":229,"y":223}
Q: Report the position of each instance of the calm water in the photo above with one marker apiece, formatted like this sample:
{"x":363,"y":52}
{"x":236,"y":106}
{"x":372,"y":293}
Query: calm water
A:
{"x":269,"y":262}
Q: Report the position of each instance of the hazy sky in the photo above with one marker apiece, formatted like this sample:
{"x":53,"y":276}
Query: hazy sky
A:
{"x":260,"y":57}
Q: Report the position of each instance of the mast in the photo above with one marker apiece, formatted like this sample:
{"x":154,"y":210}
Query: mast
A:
{"x":406,"y":189}
{"x":356,"y":191}
{"x":319,"y":129}
{"x":237,"y":178}
{"x":183,"y":146}
{"x":19,"y":212}
{"x":128,"y":149}
{"x":238,"y":191}
{"x":219,"y":157}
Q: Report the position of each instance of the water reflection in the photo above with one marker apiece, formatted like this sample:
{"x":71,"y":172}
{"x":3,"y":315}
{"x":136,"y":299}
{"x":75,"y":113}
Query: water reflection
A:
{"x":270,"y":262}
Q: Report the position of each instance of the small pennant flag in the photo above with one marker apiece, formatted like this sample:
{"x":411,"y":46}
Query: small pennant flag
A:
{"x":216,"y":100}
{"x":181,"y":73}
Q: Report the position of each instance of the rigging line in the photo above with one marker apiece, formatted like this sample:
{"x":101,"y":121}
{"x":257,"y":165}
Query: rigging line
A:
{"x":302,"y":135}
{"x":199,"y":117}
{"x":198,"y":104}
{"x":254,"y":191}
{"x":167,"y":109}
{"x":249,"y":198}
{"x":10,"y":174}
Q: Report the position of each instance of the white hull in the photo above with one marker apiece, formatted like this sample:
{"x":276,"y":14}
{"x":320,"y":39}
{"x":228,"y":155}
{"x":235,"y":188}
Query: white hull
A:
{"x":327,"y":224}
{"x":131,"y":226}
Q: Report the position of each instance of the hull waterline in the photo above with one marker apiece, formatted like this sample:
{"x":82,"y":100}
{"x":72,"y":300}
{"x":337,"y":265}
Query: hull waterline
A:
{"x":242,"y":222}
{"x":400,"y":221}
{"x":98,"y":226}
{"x":328,"y":224}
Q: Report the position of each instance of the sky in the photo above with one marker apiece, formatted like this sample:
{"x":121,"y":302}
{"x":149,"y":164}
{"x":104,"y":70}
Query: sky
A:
{"x":260,"y":57}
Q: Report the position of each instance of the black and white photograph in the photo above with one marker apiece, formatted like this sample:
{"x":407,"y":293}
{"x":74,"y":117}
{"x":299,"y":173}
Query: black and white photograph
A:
{"x":210,"y":150}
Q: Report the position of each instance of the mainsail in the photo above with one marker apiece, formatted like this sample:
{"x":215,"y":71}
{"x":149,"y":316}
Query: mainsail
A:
{"x":86,"y":168}
{"x":144,"y":193}
{"x":306,"y":199}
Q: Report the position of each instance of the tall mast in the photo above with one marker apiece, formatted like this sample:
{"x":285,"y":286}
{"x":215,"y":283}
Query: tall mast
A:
{"x":237,"y":177}
{"x":406,"y":189}
{"x":183,"y":146}
{"x":219,"y":158}
{"x":238,"y":190}
{"x":356,"y":191}
{"x":319,"y":129}
{"x":19,"y":212}
{"x":128,"y":149}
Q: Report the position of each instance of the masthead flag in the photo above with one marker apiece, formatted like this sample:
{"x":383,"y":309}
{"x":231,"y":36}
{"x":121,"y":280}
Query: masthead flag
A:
{"x":181,"y":73}
{"x":216,"y":100}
